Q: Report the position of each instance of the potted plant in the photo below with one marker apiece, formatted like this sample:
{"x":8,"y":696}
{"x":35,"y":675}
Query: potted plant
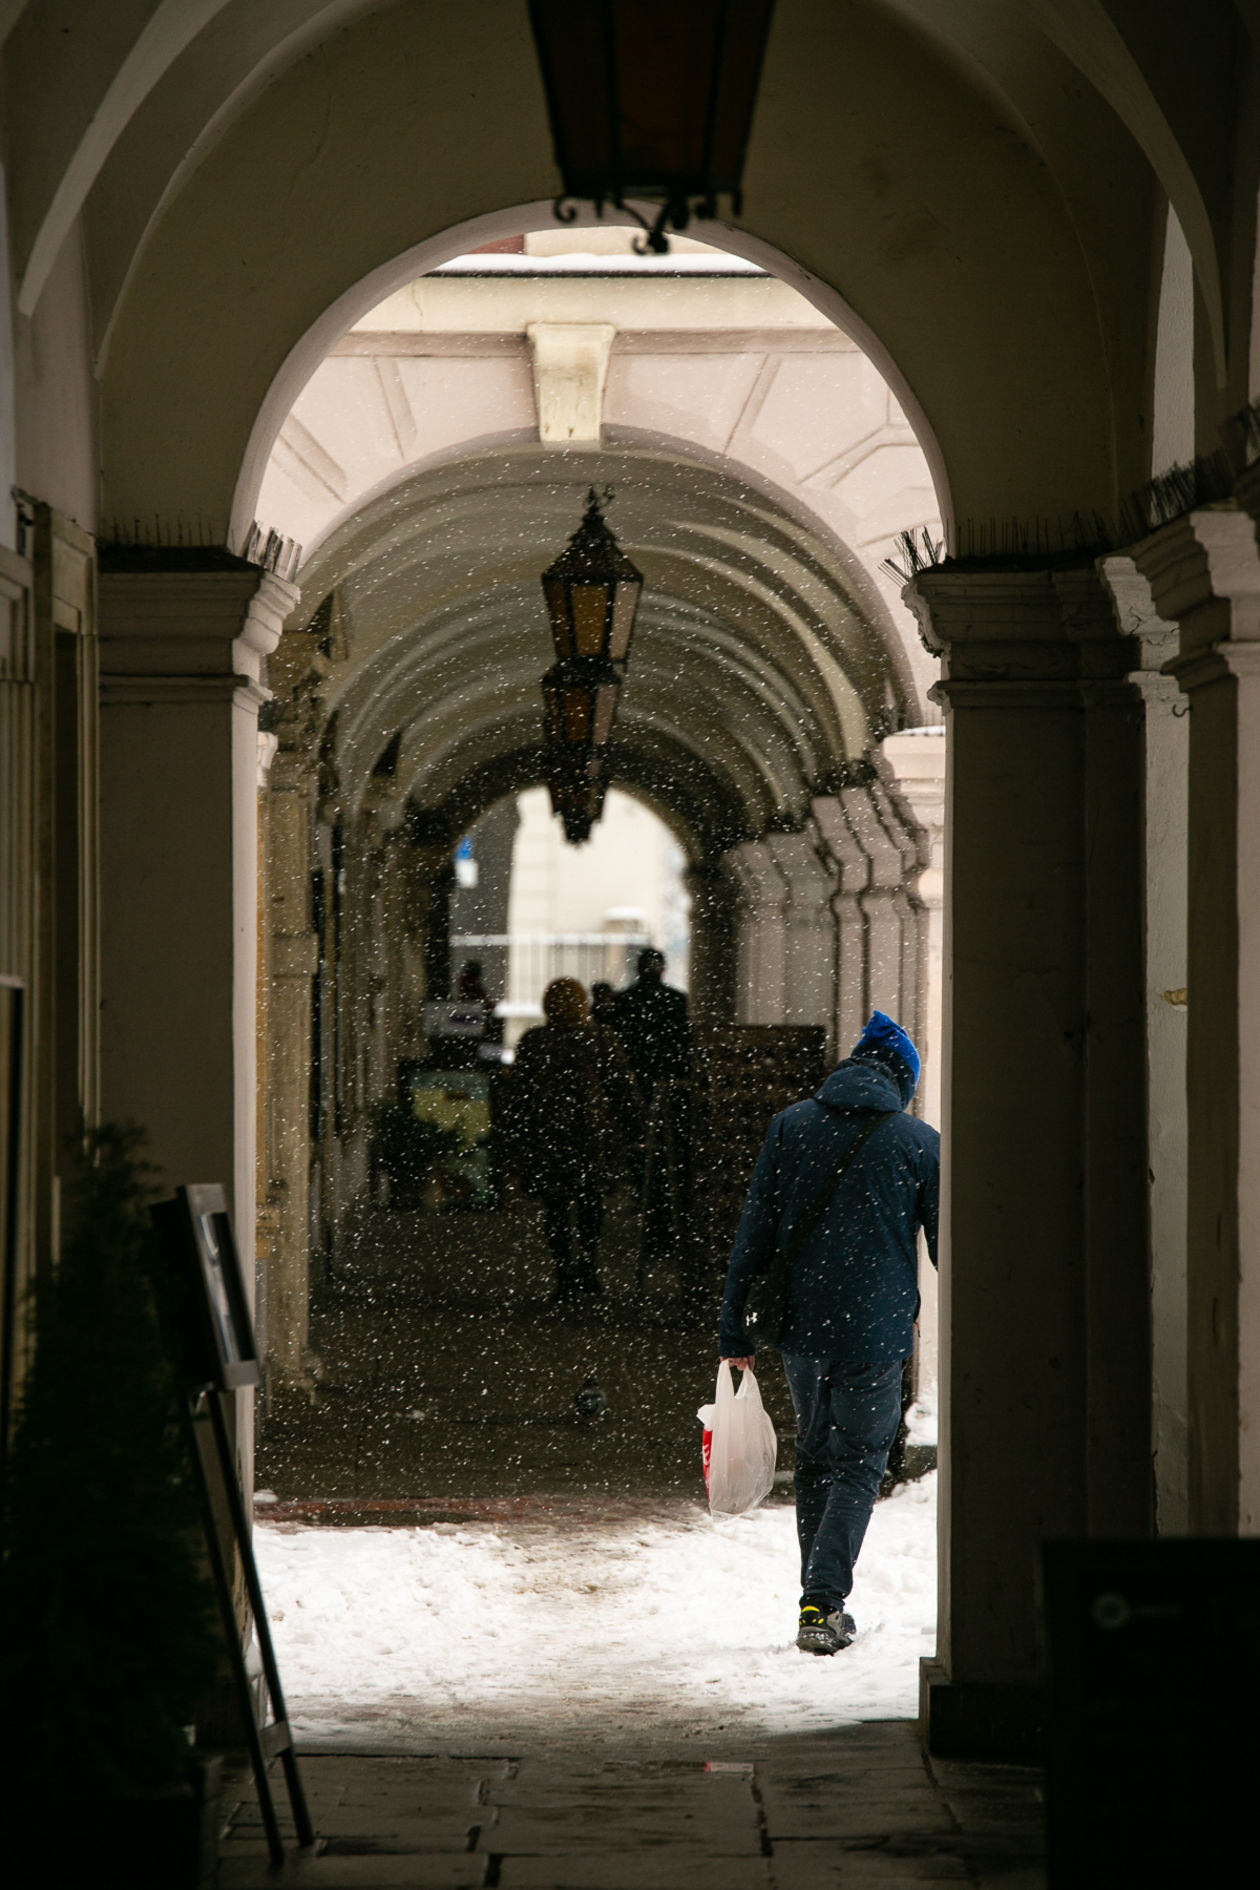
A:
{"x":409,"y":1149}
{"x":107,"y":1635}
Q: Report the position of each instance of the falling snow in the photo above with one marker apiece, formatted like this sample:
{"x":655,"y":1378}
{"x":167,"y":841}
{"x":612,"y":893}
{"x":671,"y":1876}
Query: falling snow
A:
{"x":672,"y":1628}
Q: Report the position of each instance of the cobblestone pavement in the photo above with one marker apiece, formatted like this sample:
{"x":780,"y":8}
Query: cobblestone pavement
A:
{"x":858,"y":1808}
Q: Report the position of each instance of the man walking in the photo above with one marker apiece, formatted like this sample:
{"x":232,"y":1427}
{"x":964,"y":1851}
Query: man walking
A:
{"x":650,"y":1017}
{"x":841,"y":1188}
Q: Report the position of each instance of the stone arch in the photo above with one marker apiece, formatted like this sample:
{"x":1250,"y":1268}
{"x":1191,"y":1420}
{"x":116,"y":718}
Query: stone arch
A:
{"x":1020,"y":402}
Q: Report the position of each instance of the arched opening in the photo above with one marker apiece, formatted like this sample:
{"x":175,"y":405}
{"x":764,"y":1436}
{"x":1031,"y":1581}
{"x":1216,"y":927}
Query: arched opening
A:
{"x":775,"y":736}
{"x":526,"y":907}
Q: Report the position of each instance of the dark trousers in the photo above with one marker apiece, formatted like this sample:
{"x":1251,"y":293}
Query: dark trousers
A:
{"x":571,"y":1224}
{"x":846,"y":1419}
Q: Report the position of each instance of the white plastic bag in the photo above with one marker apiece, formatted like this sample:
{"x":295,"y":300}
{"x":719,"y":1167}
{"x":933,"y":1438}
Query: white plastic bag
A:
{"x":740,"y":1447}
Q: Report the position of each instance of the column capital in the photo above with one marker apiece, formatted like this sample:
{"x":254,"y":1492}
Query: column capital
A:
{"x":1038,"y":632}
{"x":797,"y":858}
{"x":914,"y":760}
{"x":710,"y":882}
{"x":180,"y":635}
{"x":1135,"y":610}
{"x":759,"y":877}
{"x":292,"y":770}
{"x":850,"y":861}
{"x":1204,"y":573}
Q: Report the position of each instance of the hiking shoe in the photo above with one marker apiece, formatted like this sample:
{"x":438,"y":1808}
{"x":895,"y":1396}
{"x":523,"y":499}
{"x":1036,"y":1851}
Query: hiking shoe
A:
{"x":823,"y":1630}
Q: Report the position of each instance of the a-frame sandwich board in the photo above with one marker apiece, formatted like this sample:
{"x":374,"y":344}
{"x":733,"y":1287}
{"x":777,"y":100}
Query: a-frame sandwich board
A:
{"x":206,"y":1313}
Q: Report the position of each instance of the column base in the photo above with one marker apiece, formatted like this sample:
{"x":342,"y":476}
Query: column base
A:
{"x":983,"y":1720}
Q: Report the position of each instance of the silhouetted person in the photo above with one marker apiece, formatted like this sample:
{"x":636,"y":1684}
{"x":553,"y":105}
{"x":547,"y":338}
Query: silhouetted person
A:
{"x":575,"y":1108}
{"x":471,"y":988}
{"x":651,"y":1019}
{"x":841,"y":1188}
{"x":603,"y":1004}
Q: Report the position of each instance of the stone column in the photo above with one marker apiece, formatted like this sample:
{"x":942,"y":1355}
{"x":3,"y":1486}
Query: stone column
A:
{"x":182,"y":654}
{"x":19,"y":840}
{"x":809,"y":952}
{"x":1167,"y":767}
{"x":1044,"y":1289}
{"x":850,"y":872}
{"x":761,"y":991}
{"x":713,"y":944}
{"x":1204,"y":572}
{"x":294,"y":961}
{"x":893,"y":931}
{"x":875,"y":854}
{"x":914,"y":765}
{"x":66,"y":670}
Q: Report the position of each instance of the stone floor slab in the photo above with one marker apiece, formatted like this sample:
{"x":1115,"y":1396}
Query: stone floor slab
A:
{"x":638,"y":1871}
{"x":817,"y":1865}
{"x":861,"y":1821}
{"x":519,"y":1835}
{"x":355,"y":1873}
{"x":431,"y":1834}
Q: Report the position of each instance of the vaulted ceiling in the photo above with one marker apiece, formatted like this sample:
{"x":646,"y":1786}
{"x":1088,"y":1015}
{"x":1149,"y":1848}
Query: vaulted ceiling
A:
{"x":972,"y":188}
{"x":754,"y":677}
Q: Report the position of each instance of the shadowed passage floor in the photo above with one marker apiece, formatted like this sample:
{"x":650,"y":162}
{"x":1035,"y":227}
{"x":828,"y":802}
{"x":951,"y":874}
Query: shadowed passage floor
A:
{"x":860,"y":1809}
{"x":445,"y":1373}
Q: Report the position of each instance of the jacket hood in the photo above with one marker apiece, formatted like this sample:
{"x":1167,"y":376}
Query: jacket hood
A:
{"x":861,"y":1084}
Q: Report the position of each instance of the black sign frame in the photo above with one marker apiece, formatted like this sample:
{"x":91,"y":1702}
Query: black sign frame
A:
{"x":214,"y":1336}
{"x":218,"y":1332}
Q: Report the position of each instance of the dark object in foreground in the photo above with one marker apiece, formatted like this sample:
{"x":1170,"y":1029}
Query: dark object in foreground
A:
{"x":210,"y":1332}
{"x":106,"y":1636}
{"x":1154,"y":1739}
{"x":167,"y":1839}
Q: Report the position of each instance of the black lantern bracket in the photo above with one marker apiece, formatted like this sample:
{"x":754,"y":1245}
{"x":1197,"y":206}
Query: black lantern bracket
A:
{"x":653,"y":100}
{"x":675,"y":214}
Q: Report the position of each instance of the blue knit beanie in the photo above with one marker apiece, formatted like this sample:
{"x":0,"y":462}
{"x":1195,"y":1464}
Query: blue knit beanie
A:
{"x":882,"y":1037}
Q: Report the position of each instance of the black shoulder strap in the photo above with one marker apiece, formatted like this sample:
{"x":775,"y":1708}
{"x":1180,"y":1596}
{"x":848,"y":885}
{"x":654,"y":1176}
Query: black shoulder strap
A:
{"x":822,"y":1200}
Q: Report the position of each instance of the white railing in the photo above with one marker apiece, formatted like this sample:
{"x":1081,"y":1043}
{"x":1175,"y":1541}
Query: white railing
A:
{"x":535,"y":958}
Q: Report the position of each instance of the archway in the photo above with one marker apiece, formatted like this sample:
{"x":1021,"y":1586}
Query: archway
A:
{"x":773,"y":658}
{"x":769,"y":685}
{"x":1027,"y":409}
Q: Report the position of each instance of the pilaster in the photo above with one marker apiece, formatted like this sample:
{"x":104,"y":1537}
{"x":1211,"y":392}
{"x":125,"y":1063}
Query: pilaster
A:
{"x":808,"y":960}
{"x":293,"y":955}
{"x":182,"y":668}
{"x":761,"y":994}
{"x":874,"y":854}
{"x":1166,"y":746}
{"x":913,"y":763}
{"x":1044,"y":1292}
{"x":850,"y":875}
{"x":1204,"y":572}
{"x":713,"y":942}
{"x":19,"y":893}
{"x":912,"y":766}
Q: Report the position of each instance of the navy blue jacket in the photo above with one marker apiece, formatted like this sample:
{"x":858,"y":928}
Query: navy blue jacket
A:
{"x":855,"y":1284}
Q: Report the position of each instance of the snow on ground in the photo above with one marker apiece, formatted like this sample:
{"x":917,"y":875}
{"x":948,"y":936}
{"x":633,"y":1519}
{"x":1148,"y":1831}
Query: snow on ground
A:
{"x":671,"y":1628}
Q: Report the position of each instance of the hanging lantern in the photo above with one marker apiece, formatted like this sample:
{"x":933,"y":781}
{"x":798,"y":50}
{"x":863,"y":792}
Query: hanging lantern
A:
{"x":577,"y":790}
{"x":592,"y":593}
{"x":651,"y":98}
{"x":579,"y":704}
